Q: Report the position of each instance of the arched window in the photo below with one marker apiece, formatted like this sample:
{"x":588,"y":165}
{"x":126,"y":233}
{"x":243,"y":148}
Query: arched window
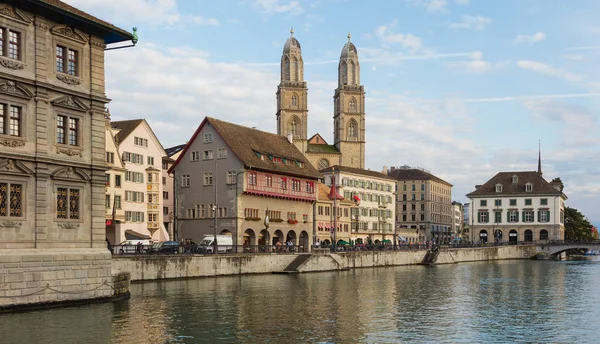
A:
{"x":353,"y":72}
{"x":294,"y":100}
{"x":295,"y":69}
{"x":294,"y":127}
{"x":322,"y":164}
{"x":344,"y":73}
{"x":285,"y":73}
{"x":352,"y":130}
{"x":352,"y":104}
{"x":543,"y":234}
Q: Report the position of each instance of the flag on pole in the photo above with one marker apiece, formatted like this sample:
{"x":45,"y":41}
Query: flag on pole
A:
{"x":267,"y":218}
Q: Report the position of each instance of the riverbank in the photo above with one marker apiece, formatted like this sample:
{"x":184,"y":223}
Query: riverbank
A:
{"x":148,"y":268}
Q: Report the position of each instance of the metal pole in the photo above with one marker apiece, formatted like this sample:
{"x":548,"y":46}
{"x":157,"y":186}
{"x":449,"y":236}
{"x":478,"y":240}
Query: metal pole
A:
{"x":215,"y":210}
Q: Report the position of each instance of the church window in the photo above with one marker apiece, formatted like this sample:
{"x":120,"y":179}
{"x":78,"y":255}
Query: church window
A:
{"x":352,"y":105}
{"x":294,"y":100}
{"x":352,"y":130}
{"x":294,"y":128}
{"x":322,"y":164}
{"x":344,"y":73}
{"x":285,"y":73}
{"x":352,"y":73}
{"x":295,"y":69}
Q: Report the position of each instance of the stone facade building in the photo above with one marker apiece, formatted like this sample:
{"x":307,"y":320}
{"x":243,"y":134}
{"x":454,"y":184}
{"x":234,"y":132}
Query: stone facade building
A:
{"x":373,"y":193}
{"x":136,"y":186}
{"x":349,"y":109}
{"x":52,"y":156}
{"x":515,"y":207}
{"x":423,"y":203}
{"x":233,"y":177}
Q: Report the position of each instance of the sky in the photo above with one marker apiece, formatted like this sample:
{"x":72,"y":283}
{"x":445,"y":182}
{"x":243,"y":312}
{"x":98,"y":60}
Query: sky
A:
{"x":462,"y":88}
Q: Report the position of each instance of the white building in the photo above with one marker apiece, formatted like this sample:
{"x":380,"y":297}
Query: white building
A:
{"x":139,"y":192}
{"x":515,"y":207}
{"x":457,"y":219}
{"x":374,"y":191}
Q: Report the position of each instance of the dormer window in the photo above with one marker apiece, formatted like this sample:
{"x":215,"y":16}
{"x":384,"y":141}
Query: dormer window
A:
{"x":528,"y":187}
{"x":498,"y":187}
{"x":515,"y":179}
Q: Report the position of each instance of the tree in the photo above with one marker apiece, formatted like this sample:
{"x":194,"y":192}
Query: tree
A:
{"x":559,"y":181}
{"x":577,"y":226}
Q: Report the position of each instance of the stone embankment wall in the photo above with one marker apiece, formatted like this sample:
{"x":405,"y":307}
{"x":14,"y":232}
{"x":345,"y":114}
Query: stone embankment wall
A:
{"x":32,"y":278}
{"x":144,"y":268}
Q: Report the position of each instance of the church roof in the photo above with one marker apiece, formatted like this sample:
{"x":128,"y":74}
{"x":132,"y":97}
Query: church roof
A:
{"x":291,"y":43}
{"x":256,"y":149}
{"x":322,"y":148}
{"x":349,"y":48}
{"x":540,"y":185}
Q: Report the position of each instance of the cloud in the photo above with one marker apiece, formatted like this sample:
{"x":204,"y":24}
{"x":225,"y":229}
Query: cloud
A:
{"x":132,"y":12}
{"x":547,"y":69}
{"x":278,"y":6}
{"x":531,"y":97}
{"x":431,"y":5}
{"x":205,"y":21}
{"x":408,"y":41}
{"x":574,"y":57}
{"x":472,"y":23}
{"x":476,"y":64}
{"x":588,"y":47}
{"x":535,"y":38}
{"x":462,"y":2}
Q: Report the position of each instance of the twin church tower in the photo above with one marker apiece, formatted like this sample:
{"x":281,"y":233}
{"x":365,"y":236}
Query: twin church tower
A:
{"x":348,"y":109}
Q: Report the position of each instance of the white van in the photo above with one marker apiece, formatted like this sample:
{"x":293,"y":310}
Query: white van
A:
{"x":130,"y":246}
{"x":224,"y":244}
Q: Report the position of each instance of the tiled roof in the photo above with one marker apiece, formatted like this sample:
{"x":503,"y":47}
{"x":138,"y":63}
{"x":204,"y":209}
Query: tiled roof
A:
{"x":414,"y":174}
{"x":173,"y":150}
{"x":126,"y":127}
{"x":356,"y":171}
{"x":320,"y":148}
{"x":323,"y":193}
{"x":60,"y":8}
{"x":540,"y":185}
{"x":246,"y":142}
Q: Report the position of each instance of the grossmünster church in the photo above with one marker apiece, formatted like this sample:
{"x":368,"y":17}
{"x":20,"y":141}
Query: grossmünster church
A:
{"x":348,"y":148}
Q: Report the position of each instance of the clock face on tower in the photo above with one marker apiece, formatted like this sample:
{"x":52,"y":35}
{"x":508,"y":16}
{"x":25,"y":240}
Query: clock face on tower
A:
{"x":322,"y":164}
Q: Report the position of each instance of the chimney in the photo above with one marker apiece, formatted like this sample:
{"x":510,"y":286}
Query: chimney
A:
{"x":290,"y":138}
{"x":385,"y":170}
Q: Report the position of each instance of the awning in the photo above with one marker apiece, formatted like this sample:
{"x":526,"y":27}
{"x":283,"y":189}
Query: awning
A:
{"x":130,"y":234}
{"x":386,"y":241}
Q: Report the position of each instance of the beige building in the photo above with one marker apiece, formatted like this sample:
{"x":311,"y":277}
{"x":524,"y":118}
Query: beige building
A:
{"x":423,"y":203}
{"x":139,"y":193}
{"x":458,"y":220}
{"x":349,"y":109}
{"x":230,"y":178}
{"x":373,"y":194}
{"x":324,"y":217}
{"x":52,"y":156}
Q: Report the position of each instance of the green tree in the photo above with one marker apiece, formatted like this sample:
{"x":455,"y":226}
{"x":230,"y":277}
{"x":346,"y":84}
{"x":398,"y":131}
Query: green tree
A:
{"x":577,"y":226}
{"x":559,"y":181}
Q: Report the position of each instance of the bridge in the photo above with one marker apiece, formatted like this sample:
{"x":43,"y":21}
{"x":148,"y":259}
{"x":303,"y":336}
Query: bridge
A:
{"x":556,"y":248}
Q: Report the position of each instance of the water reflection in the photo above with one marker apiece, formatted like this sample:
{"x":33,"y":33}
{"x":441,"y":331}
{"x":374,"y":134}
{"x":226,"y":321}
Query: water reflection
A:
{"x":498,"y":302}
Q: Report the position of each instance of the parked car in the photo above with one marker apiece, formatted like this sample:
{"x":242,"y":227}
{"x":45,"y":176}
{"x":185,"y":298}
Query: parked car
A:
{"x":164,"y":247}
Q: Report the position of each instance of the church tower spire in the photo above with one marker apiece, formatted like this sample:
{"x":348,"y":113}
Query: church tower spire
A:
{"x":539,"y":171}
{"x":292,"y":95}
{"x":349,"y":109}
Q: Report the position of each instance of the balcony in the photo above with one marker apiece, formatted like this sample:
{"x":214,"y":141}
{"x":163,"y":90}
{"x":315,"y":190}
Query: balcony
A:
{"x":153,"y":207}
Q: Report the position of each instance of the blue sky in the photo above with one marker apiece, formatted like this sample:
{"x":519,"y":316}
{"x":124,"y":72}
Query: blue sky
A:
{"x":463,"y":88}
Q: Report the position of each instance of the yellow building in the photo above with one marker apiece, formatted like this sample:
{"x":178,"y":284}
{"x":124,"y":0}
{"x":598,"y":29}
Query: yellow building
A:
{"x":324,"y":217}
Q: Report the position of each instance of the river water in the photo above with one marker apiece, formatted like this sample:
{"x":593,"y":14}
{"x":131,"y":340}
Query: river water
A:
{"x":493,"y":302}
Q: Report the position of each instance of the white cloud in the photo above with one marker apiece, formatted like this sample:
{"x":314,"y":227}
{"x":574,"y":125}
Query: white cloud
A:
{"x":132,"y":12}
{"x":278,"y":6}
{"x":205,"y":21}
{"x":408,"y":41}
{"x":436,"y":5}
{"x":535,"y":38}
{"x":462,"y":2}
{"x":472,"y":22}
{"x":476,"y":64}
{"x":547,"y":69}
{"x":574,"y":57}
{"x":531,"y":97}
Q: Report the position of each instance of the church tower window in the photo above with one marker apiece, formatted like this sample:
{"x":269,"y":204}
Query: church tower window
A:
{"x":294,"y":128}
{"x":295,"y":69}
{"x":352,"y":105}
{"x":294,"y":100}
{"x":352,"y":130}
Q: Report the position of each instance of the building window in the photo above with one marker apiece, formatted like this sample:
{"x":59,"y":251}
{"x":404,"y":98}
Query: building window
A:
{"x":528,"y":201}
{"x":294,"y":100}
{"x":117,"y":202}
{"x":295,"y":185}
{"x":498,"y":203}
{"x":110,"y":157}
{"x":352,"y":105}
{"x":133,"y":157}
{"x":67,"y":60}
{"x":151,"y":160}
{"x":498,"y":188}
{"x":231,"y":177}
{"x":135,"y":196}
{"x":140,"y":142}
{"x":310,"y":187}
{"x":283,"y":183}
{"x":269,"y":181}
{"x":208,"y":178}
{"x":252,"y":178}
{"x":527,"y":216}
{"x":414,"y":187}
{"x":544,"y":216}
{"x":67,"y":126}
{"x":136,"y":177}
{"x":484,"y":217}
{"x":117,"y":180}
{"x":164,"y":180}
{"x":513,"y":216}
{"x":352,"y":129}
{"x":134,"y":216}
{"x":107,"y":179}
{"x":515,"y":179}
{"x":107,"y":202}
{"x":165,"y":195}
{"x":10,"y":120}
{"x":11,"y":200}
{"x":543,"y":201}
{"x":513,"y":202}
{"x":67,"y":203}
{"x":165,"y":210}
{"x":528,"y":187}
{"x":498,"y":217}
{"x":195,"y":155}
{"x":222,"y":153}
{"x":483,"y":203}
{"x":208,"y":154}
{"x":13,"y":48}
{"x":185,"y":180}
{"x":208,"y":138}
